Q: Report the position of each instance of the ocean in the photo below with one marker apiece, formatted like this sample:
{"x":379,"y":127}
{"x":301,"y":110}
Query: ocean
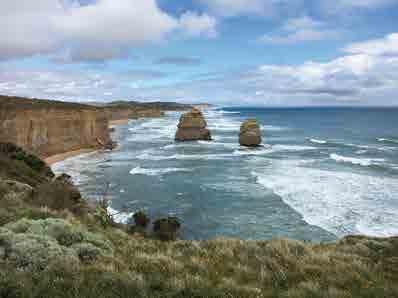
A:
{"x":322,"y":173}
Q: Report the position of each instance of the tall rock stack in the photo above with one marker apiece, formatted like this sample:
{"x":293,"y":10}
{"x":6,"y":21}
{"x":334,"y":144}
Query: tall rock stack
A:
{"x":250,"y":133}
{"x":192,"y":127}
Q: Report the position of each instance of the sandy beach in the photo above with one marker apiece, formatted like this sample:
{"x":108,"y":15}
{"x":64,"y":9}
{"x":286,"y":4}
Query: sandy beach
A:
{"x":119,"y":122}
{"x":60,"y":157}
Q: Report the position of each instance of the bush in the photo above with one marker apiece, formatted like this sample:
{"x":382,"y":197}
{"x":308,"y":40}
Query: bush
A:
{"x":33,"y":244}
{"x":60,"y":196}
{"x":17,"y":153}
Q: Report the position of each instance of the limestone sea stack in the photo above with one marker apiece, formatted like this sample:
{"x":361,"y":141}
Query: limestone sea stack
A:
{"x":192,"y":127}
{"x":250,"y":133}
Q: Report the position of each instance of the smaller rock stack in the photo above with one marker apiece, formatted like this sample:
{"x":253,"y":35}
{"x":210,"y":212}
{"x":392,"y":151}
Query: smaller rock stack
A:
{"x":192,"y":127}
{"x":250,"y":133}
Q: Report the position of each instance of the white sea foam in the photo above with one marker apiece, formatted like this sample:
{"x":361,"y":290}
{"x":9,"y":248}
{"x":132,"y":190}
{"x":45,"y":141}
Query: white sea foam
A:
{"x":361,"y":152}
{"x":74,"y":166}
{"x":157,"y":172}
{"x":228,"y":112}
{"x":356,"y":161}
{"x":266,"y":149}
{"x":386,"y":140}
{"x":219,"y":144}
{"x":292,"y":148}
{"x":273,"y":128}
{"x":118,"y":216}
{"x":254,"y":151}
{"x":340,"y":202}
{"x":316,"y":141}
{"x":181,"y":145}
{"x":147,"y":156}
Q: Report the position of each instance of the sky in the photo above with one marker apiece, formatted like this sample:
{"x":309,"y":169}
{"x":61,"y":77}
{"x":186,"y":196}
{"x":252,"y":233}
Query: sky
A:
{"x":226,"y":52}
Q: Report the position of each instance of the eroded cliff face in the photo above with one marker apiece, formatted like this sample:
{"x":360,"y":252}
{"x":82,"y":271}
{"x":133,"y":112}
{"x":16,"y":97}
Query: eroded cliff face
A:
{"x":47,"y":127}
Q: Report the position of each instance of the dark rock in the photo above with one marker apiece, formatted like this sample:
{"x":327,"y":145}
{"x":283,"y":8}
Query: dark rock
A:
{"x":166,"y":229}
{"x":140,"y":219}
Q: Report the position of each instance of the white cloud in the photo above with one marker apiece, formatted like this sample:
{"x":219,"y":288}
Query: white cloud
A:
{"x":301,"y":30}
{"x":103,"y":29}
{"x":123,"y":22}
{"x":198,"y":25}
{"x":384,"y":46}
{"x":26,"y":28}
{"x":360,"y":78}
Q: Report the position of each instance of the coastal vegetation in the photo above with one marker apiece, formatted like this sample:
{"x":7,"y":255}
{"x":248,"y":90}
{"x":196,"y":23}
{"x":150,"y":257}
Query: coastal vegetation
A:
{"x":54,"y":244}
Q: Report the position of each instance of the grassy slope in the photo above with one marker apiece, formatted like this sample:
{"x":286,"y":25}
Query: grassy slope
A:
{"x":72,"y":260}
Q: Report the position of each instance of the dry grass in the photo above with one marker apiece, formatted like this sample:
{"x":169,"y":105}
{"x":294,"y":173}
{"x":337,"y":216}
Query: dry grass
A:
{"x":46,"y":250}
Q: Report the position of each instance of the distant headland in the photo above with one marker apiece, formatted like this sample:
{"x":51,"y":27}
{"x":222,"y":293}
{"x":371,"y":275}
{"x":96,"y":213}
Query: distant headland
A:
{"x":54,"y":129}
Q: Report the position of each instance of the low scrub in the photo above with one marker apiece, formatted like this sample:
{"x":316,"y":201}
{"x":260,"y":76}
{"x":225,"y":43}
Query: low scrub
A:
{"x":35,"y":244}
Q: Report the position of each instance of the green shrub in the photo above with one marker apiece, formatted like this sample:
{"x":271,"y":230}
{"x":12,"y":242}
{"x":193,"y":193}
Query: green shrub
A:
{"x":31,"y":251}
{"x":34,"y":243}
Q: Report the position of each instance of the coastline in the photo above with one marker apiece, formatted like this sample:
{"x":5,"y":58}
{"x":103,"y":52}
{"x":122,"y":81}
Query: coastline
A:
{"x":118,"y":122}
{"x":51,"y":160}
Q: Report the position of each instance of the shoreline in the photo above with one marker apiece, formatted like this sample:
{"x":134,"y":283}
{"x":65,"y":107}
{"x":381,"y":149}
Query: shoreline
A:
{"x":118,"y":122}
{"x":53,"y":159}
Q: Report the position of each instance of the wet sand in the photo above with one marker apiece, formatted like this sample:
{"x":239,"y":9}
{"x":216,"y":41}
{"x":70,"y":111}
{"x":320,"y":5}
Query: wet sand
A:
{"x":119,"y":122}
{"x":60,"y":157}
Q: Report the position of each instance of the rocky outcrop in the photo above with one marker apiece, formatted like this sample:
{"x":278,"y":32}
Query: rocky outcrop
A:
{"x":192,"y":127}
{"x":250,"y":133}
{"x":47,"y":127}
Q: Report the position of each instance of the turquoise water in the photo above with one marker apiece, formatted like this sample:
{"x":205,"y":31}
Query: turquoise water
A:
{"x":322,"y":174}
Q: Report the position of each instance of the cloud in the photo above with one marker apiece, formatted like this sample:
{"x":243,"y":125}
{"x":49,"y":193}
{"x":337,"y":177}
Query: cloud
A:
{"x":26,"y":27}
{"x":179,"y":61}
{"x":195,"y":25}
{"x":387,"y":46}
{"x":301,"y":30}
{"x":355,"y":78}
{"x":100,"y":30}
{"x":362,"y":75}
{"x":114,"y":24}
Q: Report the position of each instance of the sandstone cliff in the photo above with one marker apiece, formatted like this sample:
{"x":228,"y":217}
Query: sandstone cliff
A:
{"x":49,"y":127}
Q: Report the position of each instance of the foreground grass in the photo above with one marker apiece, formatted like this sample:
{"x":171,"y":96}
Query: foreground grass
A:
{"x":59,"y":251}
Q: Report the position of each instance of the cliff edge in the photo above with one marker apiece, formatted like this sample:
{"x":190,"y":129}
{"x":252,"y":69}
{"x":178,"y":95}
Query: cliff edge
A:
{"x":46,"y":127}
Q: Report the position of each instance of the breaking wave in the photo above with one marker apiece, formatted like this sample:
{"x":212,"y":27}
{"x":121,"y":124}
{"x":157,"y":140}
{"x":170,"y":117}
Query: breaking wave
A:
{"x":340,"y":202}
{"x":155,"y":172}
{"x":356,"y":161}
